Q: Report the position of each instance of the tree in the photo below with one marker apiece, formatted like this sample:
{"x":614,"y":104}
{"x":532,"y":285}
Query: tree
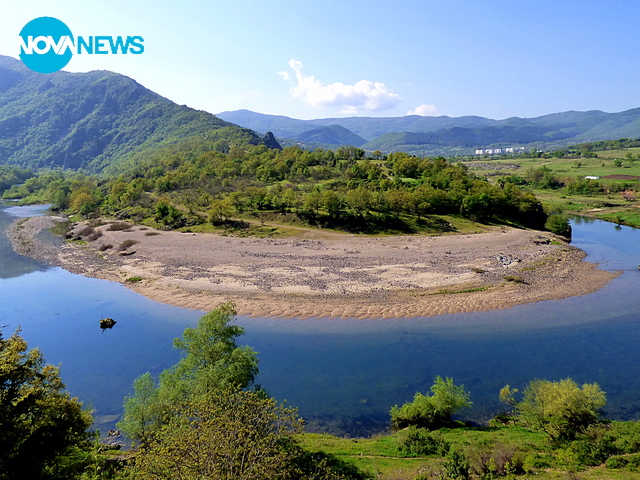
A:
{"x":432,"y":411}
{"x":558,"y":224}
{"x":226,"y":434}
{"x":212,"y":360}
{"x":40,"y":424}
{"x":561,"y":409}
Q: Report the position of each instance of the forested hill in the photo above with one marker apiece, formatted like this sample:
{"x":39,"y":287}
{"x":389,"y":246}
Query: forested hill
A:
{"x":93,"y":120}
{"x":454,"y":135}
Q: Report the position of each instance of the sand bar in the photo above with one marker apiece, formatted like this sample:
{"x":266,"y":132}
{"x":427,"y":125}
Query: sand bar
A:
{"x":320,"y":274}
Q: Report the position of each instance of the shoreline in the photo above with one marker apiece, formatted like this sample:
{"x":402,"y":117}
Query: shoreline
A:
{"x":338,"y":275}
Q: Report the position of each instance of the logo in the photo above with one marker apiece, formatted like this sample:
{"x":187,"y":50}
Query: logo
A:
{"x":47,"y":45}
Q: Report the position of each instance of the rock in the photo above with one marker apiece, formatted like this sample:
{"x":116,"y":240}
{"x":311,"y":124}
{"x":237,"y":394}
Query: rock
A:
{"x":107,"y":323}
{"x":270,"y":141}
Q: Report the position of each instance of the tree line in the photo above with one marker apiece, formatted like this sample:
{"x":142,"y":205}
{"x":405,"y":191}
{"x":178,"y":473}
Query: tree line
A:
{"x":342,"y":189}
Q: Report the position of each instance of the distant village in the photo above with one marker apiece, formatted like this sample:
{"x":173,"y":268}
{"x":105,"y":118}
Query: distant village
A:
{"x":499,"y":151}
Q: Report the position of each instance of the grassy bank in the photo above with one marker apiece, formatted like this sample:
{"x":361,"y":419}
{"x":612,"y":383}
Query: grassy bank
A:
{"x":612,"y":194}
{"x":488,"y":450}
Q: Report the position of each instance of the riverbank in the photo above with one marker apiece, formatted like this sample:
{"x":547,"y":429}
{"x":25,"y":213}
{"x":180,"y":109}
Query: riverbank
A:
{"x":339,"y":275}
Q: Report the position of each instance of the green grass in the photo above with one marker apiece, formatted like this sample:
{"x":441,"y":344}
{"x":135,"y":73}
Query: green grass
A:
{"x":380,"y":456}
{"x":611,"y":207}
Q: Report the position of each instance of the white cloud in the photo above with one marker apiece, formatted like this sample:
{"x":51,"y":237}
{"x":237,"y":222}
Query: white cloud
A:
{"x":424,"y":110}
{"x":285,"y":75}
{"x":363,"y":95}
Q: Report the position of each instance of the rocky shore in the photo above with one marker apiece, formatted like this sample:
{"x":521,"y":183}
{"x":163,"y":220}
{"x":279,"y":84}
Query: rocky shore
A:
{"x":321,"y":275}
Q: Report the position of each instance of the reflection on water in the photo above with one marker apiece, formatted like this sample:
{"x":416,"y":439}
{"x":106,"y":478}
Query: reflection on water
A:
{"x":344,"y":375}
{"x":12,"y":264}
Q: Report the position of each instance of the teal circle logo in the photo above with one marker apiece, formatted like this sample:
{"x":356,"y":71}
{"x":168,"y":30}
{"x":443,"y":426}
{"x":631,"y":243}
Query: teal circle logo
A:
{"x":46,"y":45}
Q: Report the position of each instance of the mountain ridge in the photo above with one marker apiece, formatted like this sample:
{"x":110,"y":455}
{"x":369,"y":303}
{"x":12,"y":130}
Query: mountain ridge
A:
{"x":463,"y":134}
{"x":93,"y":120}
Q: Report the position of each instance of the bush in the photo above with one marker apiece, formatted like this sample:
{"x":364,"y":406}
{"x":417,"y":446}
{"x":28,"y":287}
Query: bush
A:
{"x":558,"y":224}
{"x":119,"y":226}
{"x":432,"y":411}
{"x":617,"y":462}
{"x":126,"y":244}
{"x":561,"y":409}
{"x":420,"y":442}
{"x":456,"y":466}
{"x":498,"y":460}
{"x":94,"y":236}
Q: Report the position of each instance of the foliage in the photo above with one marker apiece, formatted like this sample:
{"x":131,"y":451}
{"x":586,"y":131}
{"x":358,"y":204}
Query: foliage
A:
{"x":432,"y":411}
{"x":10,"y":175}
{"x":558,"y":224}
{"x":456,"y":465}
{"x":212,"y":360}
{"x":223,"y":434}
{"x":420,"y":442}
{"x":94,"y":120}
{"x":41,"y":427}
{"x":186,"y":184}
{"x":561,"y":409}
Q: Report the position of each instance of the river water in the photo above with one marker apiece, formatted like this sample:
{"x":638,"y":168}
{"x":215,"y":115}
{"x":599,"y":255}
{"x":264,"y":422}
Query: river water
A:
{"x":343,"y":375}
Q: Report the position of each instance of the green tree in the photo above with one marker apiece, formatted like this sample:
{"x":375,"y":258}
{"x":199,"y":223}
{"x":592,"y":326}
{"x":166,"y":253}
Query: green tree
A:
{"x":432,"y":411}
{"x":226,"y":434}
{"x":219,"y":211}
{"x":558,"y":224}
{"x":561,"y":409}
{"x":141,"y":417}
{"x":41,"y":426}
{"x":212,"y":360}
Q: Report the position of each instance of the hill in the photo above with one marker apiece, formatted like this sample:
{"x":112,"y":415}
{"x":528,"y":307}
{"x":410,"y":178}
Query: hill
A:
{"x":458,"y":135}
{"x":333,"y":134}
{"x":93,"y":120}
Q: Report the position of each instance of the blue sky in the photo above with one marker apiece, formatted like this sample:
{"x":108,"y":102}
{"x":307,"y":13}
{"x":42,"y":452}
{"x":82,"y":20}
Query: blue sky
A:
{"x":313,"y":59}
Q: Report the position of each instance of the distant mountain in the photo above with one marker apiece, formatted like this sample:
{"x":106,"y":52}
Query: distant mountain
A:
{"x":280,"y":125}
{"x":93,"y":120}
{"x":333,"y":134}
{"x":442,"y":135}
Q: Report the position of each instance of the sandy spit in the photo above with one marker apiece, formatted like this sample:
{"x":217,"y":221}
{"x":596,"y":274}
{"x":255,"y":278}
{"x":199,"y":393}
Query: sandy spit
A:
{"x":327,"y":275}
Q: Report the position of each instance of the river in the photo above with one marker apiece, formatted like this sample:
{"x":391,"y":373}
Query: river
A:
{"x":343,"y":375}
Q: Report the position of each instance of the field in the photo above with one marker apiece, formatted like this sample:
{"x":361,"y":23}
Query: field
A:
{"x":382,"y":457}
{"x":617,"y":172}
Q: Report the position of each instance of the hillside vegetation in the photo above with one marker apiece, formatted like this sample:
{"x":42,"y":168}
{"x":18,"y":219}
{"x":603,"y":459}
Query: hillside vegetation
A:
{"x":93,"y":121}
{"x":191,"y":185}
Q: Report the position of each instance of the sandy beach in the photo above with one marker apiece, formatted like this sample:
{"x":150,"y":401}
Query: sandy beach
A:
{"x":324,"y":274}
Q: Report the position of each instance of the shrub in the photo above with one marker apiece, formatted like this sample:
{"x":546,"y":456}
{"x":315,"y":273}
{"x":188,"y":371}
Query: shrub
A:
{"x":561,"y":409}
{"x":456,"y":465}
{"x":558,"y":224}
{"x":420,"y":442}
{"x":617,"y":462}
{"x":126,"y":244}
{"x":94,"y":236}
{"x":498,"y":460}
{"x":119,"y":226}
{"x":432,"y":411}
{"x":514,"y":279}
{"x":85,"y":232}
{"x":104,"y":247}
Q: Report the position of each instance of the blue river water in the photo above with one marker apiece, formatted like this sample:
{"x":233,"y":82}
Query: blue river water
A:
{"x":343,"y":375}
